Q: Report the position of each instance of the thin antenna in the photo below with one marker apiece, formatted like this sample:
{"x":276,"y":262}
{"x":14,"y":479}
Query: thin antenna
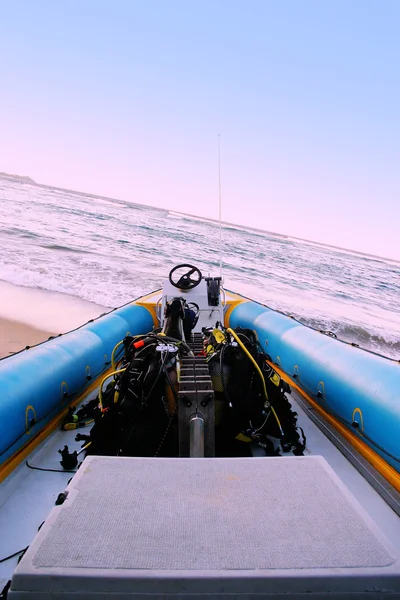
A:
{"x":220,"y":208}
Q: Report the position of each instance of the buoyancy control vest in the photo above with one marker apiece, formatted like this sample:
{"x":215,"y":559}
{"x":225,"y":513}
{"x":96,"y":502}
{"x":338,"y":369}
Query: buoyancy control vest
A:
{"x":250,"y":392}
{"x":137,"y":413}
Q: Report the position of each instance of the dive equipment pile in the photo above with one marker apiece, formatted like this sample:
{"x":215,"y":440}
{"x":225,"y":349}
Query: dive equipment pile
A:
{"x":160,"y":385}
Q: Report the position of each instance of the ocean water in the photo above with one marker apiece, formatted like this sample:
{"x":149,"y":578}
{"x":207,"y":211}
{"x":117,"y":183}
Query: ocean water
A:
{"x":109,"y":252}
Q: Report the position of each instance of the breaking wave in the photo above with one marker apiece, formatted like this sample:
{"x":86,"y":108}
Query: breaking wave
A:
{"x":94,"y":249}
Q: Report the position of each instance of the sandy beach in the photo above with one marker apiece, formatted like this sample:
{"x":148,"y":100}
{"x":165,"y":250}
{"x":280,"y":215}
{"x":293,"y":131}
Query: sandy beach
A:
{"x":16,"y":336}
{"x":29,"y":316}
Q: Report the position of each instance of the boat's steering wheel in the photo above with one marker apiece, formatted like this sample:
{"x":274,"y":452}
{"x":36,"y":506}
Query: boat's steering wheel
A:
{"x":186,"y":281}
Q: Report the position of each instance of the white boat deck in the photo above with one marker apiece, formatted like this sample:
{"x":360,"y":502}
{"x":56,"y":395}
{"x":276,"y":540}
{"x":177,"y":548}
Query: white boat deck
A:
{"x":27,"y":496}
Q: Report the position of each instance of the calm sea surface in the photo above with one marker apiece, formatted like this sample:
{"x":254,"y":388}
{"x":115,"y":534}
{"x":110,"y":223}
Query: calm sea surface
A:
{"x":109,"y":252}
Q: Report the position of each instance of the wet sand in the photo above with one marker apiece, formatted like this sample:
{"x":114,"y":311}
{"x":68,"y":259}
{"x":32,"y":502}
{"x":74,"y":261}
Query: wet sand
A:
{"x":29,"y":316}
{"x":15,"y":336}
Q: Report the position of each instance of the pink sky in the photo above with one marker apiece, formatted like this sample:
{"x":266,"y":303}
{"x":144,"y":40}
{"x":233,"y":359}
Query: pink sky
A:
{"x":128,"y":101}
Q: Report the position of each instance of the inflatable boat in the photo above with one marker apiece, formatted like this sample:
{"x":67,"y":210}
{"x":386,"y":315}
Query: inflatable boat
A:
{"x":194,"y":443}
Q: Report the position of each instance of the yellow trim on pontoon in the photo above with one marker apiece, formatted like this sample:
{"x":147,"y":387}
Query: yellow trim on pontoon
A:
{"x":388,"y":472}
{"x":152,"y":310}
{"x":230,"y":305}
{"x":150,"y":302}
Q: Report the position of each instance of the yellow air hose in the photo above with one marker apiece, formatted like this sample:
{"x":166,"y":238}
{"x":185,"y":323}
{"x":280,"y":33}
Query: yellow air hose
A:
{"x":113,"y":354}
{"x":118,"y":345}
{"x":102,"y":382}
{"x":76,"y":424}
{"x":243,"y":347}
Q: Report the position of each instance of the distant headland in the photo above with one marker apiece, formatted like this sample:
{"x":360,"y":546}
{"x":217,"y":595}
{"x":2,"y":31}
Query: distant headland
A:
{"x":18,"y":178}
